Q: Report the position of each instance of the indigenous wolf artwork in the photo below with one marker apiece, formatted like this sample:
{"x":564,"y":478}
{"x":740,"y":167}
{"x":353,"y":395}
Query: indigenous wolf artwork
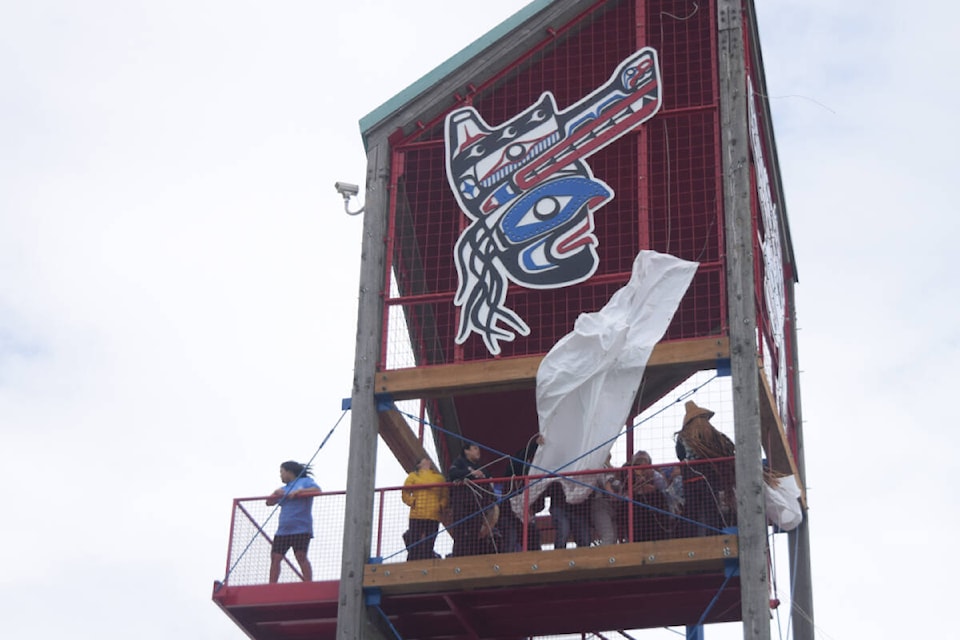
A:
{"x":531,"y":196}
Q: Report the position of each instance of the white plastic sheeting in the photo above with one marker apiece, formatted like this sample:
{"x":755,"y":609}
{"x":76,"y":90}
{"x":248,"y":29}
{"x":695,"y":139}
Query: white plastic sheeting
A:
{"x":587,"y":383}
{"x":783,"y":504}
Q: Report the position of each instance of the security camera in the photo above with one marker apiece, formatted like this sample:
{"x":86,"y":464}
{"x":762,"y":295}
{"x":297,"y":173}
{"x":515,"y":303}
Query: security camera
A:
{"x":346,"y":189}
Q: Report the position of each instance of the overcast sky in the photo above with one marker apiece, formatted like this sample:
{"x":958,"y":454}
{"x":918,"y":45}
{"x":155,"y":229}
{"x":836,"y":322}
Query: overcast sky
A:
{"x":178,"y":287}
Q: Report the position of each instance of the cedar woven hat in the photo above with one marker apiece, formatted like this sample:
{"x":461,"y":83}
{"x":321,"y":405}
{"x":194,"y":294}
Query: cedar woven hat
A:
{"x":694,"y":412}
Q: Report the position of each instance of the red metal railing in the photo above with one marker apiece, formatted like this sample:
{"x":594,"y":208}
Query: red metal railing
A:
{"x":503,"y":515}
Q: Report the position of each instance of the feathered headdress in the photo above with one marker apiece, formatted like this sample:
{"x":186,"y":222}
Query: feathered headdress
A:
{"x":700,"y":437}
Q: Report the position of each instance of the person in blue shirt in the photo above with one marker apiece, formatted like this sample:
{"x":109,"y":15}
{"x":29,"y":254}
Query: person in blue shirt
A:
{"x":296,"y":517}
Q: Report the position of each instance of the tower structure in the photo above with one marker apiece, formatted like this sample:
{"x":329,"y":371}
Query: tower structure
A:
{"x":508,"y":192}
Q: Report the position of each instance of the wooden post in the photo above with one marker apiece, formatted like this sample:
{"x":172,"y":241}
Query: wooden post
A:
{"x":352,"y":620}
{"x":801,"y":611}
{"x":739,"y":232}
{"x":801,"y":593}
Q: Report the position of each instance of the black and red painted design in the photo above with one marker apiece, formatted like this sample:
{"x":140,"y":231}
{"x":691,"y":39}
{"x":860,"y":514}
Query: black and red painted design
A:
{"x":531,"y":196}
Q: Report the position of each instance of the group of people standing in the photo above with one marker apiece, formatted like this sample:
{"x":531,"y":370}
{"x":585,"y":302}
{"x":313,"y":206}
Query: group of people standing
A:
{"x":481,"y":521}
{"x":680,"y":501}
{"x":689,"y":499}
{"x":466,"y":506}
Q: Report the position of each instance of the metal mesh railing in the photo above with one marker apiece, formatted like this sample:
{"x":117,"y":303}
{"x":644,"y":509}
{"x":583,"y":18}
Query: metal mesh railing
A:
{"x":501,"y":515}
{"x":252,"y":530}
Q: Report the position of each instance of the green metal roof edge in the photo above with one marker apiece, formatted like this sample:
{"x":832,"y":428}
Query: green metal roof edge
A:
{"x":421,"y":86}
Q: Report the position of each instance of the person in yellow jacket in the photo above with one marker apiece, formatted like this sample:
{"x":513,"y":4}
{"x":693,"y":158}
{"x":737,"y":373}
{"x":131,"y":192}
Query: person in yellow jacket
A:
{"x":426,"y":506}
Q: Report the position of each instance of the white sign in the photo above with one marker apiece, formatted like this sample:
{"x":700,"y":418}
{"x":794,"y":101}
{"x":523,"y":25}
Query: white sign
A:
{"x":773,"y":289}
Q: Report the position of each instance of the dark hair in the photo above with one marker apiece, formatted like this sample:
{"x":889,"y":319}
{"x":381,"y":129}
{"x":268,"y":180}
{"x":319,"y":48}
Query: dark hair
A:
{"x":296,"y":468}
{"x":468,"y":445}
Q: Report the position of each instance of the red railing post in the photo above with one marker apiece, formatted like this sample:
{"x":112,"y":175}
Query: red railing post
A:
{"x":233,"y":521}
{"x":524,"y":537}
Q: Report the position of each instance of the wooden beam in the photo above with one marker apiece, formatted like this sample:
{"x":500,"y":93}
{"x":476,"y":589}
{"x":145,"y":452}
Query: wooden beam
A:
{"x":739,"y":234}
{"x":401,"y":439}
{"x":685,"y":555}
{"x":521,"y":373}
{"x":774,"y":437}
{"x":352,"y":612}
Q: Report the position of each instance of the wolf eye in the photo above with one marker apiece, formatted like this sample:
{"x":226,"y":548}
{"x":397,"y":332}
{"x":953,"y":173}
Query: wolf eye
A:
{"x":549,"y":206}
{"x":538,"y":115}
{"x":477,"y":151}
{"x":515,"y":152}
{"x":509,"y":132}
{"x":547,"y":212}
{"x":546,"y":208}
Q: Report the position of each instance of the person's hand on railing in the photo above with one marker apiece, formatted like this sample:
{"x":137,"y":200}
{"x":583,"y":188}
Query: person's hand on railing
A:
{"x":279,"y":494}
{"x":303,"y":493}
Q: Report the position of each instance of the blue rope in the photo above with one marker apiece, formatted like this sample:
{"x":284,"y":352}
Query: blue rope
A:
{"x":716,"y":597}
{"x":501,"y":454}
{"x":396,"y":634}
{"x":276,"y":508}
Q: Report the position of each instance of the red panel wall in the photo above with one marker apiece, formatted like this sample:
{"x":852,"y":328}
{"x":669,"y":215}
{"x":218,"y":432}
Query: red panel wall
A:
{"x":666,"y":177}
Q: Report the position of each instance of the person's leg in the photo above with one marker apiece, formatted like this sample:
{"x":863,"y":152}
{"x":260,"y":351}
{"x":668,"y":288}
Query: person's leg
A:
{"x":639,"y":522}
{"x":300,"y":547}
{"x":420,"y":548}
{"x":533,"y":535}
{"x":464,"y":536}
{"x":275,"y":560}
{"x":457,"y":528}
{"x":561,"y":524}
{"x":470,"y":531}
{"x":277,"y":551}
{"x":602,"y":512}
{"x":458,"y":532}
{"x":431,"y":527}
{"x":471,"y":535}
{"x":580,"y":520}
{"x":306,"y":569}
{"x":510,"y":529}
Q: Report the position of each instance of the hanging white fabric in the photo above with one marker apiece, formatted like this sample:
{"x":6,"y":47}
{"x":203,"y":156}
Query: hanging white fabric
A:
{"x":783,"y":504}
{"x":587,"y":382}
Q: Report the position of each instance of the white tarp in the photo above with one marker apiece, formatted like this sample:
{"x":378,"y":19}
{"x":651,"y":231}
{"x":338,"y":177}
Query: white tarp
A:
{"x":587,"y":383}
{"x":783,"y":504}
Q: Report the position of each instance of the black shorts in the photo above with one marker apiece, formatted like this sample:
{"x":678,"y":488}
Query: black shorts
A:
{"x":299,"y":542}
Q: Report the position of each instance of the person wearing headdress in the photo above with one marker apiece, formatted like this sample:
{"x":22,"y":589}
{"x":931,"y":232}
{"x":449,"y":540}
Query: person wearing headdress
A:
{"x":707,"y":486}
{"x":295,"y":528}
